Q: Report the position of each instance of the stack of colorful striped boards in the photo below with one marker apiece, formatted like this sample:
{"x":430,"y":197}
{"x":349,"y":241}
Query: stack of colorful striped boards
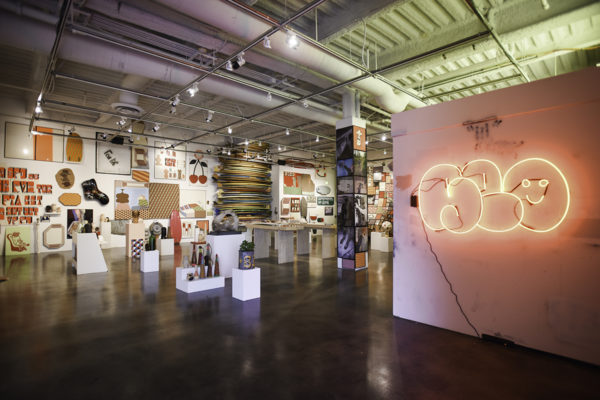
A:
{"x":243,"y":187}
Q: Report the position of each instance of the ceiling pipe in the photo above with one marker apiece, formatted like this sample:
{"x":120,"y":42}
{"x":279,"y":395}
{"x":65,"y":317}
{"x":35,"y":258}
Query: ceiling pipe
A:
{"x":88,"y":51}
{"x":246,"y":26}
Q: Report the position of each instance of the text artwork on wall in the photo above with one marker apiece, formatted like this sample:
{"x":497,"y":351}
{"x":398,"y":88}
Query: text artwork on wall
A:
{"x":112,"y":155}
{"x":21,"y":195}
{"x":169,"y":163}
{"x":532,"y":194}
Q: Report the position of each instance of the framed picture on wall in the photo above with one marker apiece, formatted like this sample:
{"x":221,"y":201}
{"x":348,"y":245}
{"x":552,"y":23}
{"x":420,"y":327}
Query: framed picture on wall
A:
{"x":328,"y":211}
{"x":113,"y":156}
{"x":169,"y":163}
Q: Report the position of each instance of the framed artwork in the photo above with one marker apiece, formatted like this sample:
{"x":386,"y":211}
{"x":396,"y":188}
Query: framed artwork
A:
{"x":344,"y":141}
{"x":198,"y":172}
{"x":344,"y":167}
{"x":54,"y":236}
{"x":169,"y":163}
{"x":345,"y":185}
{"x":328,"y":211}
{"x":295,"y":204}
{"x":19,"y":143}
{"x":193,"y":203}
{"x":346,"y":243}
{"x":291,"y":183}
{"x":345,"y":211}
{"x":311,"y":201}
{"x":325,"y":201}
{"x":132,"y":196}
{"x":362,"y":239}
{"x":76,"y":219}
{"x":18,"y":240}
{"x":360,"y":209}
{"x":360,"y":137}
{"x":112,"y":155}
{"x":360,"y":185}
{"x":360,"y":163}
{"x":203,"y":229}
{"x":139,"y":153}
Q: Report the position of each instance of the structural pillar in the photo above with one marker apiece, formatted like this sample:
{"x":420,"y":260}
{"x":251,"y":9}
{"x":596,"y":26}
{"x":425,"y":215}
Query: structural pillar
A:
{"x":352,"y":223}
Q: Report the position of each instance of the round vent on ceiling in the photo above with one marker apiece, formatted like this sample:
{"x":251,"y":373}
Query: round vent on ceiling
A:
{"x":127,"y":109}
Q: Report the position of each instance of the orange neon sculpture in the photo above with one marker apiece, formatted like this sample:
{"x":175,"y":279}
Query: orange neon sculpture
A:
{"x":536,"y":190}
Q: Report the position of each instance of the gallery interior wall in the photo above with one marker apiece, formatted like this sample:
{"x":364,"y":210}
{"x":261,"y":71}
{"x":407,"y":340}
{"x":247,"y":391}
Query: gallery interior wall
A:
{"x":86,"y":170}
{"x":540,"y":290}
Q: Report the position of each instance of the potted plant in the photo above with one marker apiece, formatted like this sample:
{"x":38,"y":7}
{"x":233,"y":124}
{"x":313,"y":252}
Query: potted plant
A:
{"x":246,"y":255}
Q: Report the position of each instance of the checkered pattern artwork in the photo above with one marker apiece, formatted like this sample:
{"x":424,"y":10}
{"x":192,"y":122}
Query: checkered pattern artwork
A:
{"x":164,"y":198}
{"x":137,"y":245}
{"x":380,"y":199}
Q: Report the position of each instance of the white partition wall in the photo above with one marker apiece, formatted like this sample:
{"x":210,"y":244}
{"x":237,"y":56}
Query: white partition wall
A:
{"x":518,"y":238}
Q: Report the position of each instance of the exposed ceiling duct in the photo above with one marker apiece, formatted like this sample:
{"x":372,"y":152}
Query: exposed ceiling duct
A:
{"x":248,"y":27}
{"x":85,"y":50}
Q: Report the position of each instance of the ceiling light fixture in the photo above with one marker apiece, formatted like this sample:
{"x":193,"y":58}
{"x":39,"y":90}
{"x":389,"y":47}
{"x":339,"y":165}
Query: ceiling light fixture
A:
{"x":238,"y":62}
{"x":121,"y":123}
{"x":279,"y":147}
{"x":228,"y":152}
{"x":38,"y":108}
{"x":292,"y":40}
{"x":229,"y":130}
{"x":267,"y":42}
{"x":104,"y":135}
{"x":246,"y":142}
{"x":383,"y":137}
{"x":384,"y":152}
{"x":176,"y":101}
{"x":129,"y":129}
{"x":209,"y":117}
{"x":156,"y":127}
{"x":229,"y":66}
{"x":193,"y":90}
{"x":366,"y":142}
{"x":269,"y":97}
{"x":287,"y":132}
{"x":304,"y":103}
{"x":317,"y":139}
{"x":130,"y":139}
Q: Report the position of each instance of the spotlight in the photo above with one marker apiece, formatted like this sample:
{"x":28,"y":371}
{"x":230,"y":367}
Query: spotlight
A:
{"x":267,"y":42}
{"x":229,"y":130}
{"x":129,"y":129}
{"x":38,"y":108}
{"x":239,"y":61}
{"x":176,"y":101}
{"x":279,"y":147}
{"x":269,"y":97}
{"x":173,"y":110}
{"x":246,"y":142}
{"x":193,"y":90}
{"x":317,"y":139}
{"x":121,"y":123}
{"x":104,"y":136}
{"x":130,"y":139}
{"x":292,"y":40}
{"x":384,"y":152}
{"x":229,"y":66}
{"x":315,"y":156}
{"x":156,"y":127}
{"x":260,"y":142}
{"x":366,"y":142}
{"x":304,"y":103}
{"x":209,"y":117}
{"x":228,"y":152}
{"x":172,"y":146}
{"x":287,"y":132}
{"x":383,"y":137}
{"x":208,"y":151}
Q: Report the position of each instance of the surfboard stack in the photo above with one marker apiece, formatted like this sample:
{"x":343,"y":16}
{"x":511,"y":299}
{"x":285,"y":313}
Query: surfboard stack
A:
{"x":243,"y":187}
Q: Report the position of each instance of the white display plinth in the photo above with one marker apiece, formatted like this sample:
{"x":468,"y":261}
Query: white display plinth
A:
{"x":285,"y":250}
{"x":329,"y":243}
{"x":246,"y":284}
{"x":197,"y":285}
{"x":87,"y":254}
{"x":381,"y":242}
{"x":166,"y":247}
{"x":227,"y":247}
{"x":303,"y":241}
{"x":149,"y":261}
{"x":262,"y":243}
{"x":105,"y":231}
{"x":133,"y":232}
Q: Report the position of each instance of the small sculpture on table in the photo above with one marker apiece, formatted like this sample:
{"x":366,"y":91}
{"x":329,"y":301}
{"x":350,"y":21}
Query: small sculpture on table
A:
{"x":201,"y":263}
{"x":208,"y":261}
{"x":225,"y":222}
{"x":217,"y":272}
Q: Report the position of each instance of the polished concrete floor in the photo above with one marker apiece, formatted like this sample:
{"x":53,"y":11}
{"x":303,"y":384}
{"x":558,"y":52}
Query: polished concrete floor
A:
{"x":316,"y":332}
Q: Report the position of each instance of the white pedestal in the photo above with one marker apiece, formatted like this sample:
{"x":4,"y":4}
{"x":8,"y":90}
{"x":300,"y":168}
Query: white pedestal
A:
{"x":246,"y":284}
{"x":87,"y":254}
{"x":285,"y":251}
{"x":106,"y":234}
{"x":132,"y":232}
{"x":329,"y":243}
{"x":303,"y":241}
{"x":262,"y":243}
{"x":227,"y":247}
{"x":166,"y":247}
{"x":197,"y":285}
{"x":149,"y":261}
{"x":381,"y":243}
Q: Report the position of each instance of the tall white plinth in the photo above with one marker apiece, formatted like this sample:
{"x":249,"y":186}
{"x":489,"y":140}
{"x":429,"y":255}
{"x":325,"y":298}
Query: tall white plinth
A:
{"x":246,"y":284}
{"x":262,"y":243}
{"x":87,"y":254}
{"x":133,"y":232}
{"x":166,"y":247}
{"x":285,"y":250}
{"x":197,"y":285}
{"x":381,"y":242}
{"x":303,"y":241}
{"x":149,"y":261}
{"x":329,"y":243}
{"x":227,"y":247}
